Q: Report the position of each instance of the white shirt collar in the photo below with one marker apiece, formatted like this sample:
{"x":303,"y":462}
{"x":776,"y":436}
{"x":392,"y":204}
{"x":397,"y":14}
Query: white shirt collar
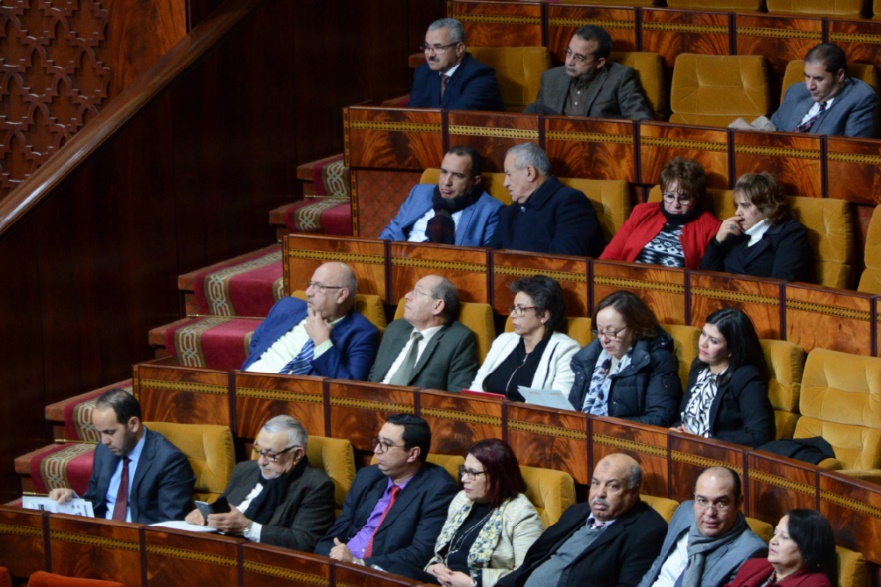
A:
{"x":757,"y":231}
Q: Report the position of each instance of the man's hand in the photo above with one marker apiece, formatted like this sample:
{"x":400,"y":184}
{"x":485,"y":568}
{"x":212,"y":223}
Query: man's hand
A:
{"x":61,"y":495}
{"x":233,"y":522}
{"x":341,"y":552}
{"x":316,"y":326}
{"x":195,"y":518}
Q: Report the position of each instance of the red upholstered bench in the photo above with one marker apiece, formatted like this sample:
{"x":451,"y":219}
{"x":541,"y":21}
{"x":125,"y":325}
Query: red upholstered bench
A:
{"x":213,"y":342}
{"x":57,"y":465}
{"x":326,"y":207}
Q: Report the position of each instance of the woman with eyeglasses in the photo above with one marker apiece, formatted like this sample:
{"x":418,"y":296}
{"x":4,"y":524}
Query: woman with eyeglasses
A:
{"x":727,"y":392}
{"x":537,"y":354}
{"x":762,"y":238}
{"x":801,"y":554}
{"x":629,"y":370}
{"x":674,"y":232}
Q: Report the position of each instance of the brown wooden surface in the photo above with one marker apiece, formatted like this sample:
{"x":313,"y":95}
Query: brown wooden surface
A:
{"x":542,"y":437}
{"x":827,"y":318}
{"x":778,"y":38}
{"x":393,"y":138}
{"x":458,"y":421}
{"x":660,"y":142}
{"x":183,"y":394}
{"x":499,"y":24}
{"x":259,"y":397}
{"x":274,"y":566}
{"x":358,"y":410}
{"x":777,"y":485}
{"x":304,"y":253}
{"x":860,"y":39}
{"x":591,"y":147}
{"x":204,"y":559}
{"x":22,"y":541}
{"x":564,"y":20}
{"x":853,"y":169}
{"x":646,"y":444}
{"x":570,"y":272}
{"x":671,"y":32}
{"x":376,"y":197}
{"x":793,"y":158}
{"x":466,"y":267}
{"x":853,"y":507}
{"x":661,"y":288}
{"x":346,"y":574}
{"x":95,"y":548}
{"x":758,"y":298}
{"x":491,"y":134}
{"x":690,"y":455}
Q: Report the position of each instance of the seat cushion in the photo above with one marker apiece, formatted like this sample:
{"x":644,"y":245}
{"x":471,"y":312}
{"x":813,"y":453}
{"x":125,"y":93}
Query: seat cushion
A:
{"x":786,"y":363}
{"x":518,"y":71}
{"x":550,"y":491}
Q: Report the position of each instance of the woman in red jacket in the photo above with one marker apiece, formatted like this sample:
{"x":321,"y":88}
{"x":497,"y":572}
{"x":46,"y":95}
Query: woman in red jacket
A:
{"x":674,"y":232}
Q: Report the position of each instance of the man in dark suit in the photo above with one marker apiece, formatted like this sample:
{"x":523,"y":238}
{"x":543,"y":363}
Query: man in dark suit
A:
{"x":137,"y":475}
{"x":708,"y":538}
{"x":611,"y":540}
{"x":428,"y":348}
{"x":450,"y":78}
{"x":324,"y":336}
{"x":590,"y":85}
{"x":277,"y":499}
{"x":395,"y":508}
{"x":829,"y":102}
{"x":545,"y":216}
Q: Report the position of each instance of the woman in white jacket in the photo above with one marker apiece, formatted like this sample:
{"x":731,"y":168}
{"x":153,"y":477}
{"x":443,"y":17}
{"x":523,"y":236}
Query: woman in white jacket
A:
{"x":537,"y":354}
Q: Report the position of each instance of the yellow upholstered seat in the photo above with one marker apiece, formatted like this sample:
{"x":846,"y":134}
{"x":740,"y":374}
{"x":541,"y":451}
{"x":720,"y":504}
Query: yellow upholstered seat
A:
{"x":795,"y":74}
{"x":476,"y":316}
{"x":827,"y":8}
{"x":664,"y":506}
{"x":368,"y":305}
{"x":852,"y":568}
{"x":685,"y":339}
{"x":650,"y":71}
{"x":714,"y":90}
{"x":450,"y":463}
{"x":550,"y":491}
{"x":786,"y":365}
{"x":763,"y":529}
{"x":841,"y":401}
{"x":209,"y":448}
{"x":518,"y":70}
{"x":337,"y":457}
{"x":610,"y":199}
{"x":870,"y":281}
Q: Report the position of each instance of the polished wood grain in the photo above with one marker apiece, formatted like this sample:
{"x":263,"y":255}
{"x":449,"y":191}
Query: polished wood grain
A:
{"x":758,"y":298}
{"x":491,"y":134}
{"x":569,"y":271}
{"x":466,"y":267}
{"x":777,"y":485}
{"x":853,"y":170}
{"x":830,"y":319}
{"x":542,"y":437}
{"x":591,"y":147}
{"x":458,"y":421}
{"x":660,"y":142}
{"x":358,"y":410}
{"x":95,"y":548}
{"x":205,"y":559}
{"x":393,"y":138}
{"x":646,"y":444}
{"x":778,"y":38}
{"x":349,"y":574}
{"x":22,"y":540}
{"x":671,"y":32}
{"x":662,"y":289}
{"x":853,"y":507}
{"x":860,"y":39}
{"x":564,"y":20}
{"x":499,"y":24}
{"x":182,"y":394}
{"x":304,"y":253}
{"x":690,"y":455}
{"x":793,"y":158}
{"x":259,"y":397}
{"x":376,"y":197}
{"x":274,"y":566}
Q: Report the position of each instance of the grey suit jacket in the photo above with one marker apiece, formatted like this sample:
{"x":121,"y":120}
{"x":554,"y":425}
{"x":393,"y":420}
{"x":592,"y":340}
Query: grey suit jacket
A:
{"x":448,"y":362}
{"x":853,"y":112}
{"x":615,"y":92}
{"x":305,"y":515}
{"x":721,"y":565}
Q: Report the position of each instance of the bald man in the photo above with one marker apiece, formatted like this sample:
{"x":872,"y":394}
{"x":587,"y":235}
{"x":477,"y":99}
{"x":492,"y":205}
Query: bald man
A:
{"x":610,"y":540}
{"x":321,"y":336}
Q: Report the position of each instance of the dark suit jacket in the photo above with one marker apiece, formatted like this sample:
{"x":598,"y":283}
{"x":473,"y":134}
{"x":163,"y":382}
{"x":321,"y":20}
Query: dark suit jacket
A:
{"x":741,"y":411}
{"x":620,"y":555}
{"x":615,"y":92}
{"x":721,"y":565}
{"x":555,"y":219}
{"x":161,"y":490}
{"x":448,"y":362}
{"x":304,"y":516}
{"x":782,"y":253}
{"x":354,"y":339}
{"x":853,"y":112}
{"x":473,"y":86}
{"x":410,"y":528}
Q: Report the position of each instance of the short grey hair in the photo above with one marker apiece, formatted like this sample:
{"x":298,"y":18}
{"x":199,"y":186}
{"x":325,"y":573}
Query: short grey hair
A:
{"x":445,"y":290}
{"x":297,"y":435}
{"x":350,"y":282}
{"x":457,"y":31}
{"x":529,"y":154}
{"x":634,"y":481}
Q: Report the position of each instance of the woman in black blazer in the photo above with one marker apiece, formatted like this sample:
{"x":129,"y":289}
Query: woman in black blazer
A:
{"x":727,"y":392}
{"x":762,"y":238}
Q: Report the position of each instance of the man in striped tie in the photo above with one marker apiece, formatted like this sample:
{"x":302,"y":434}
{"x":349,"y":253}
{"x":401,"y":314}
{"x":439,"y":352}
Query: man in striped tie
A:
{"x":323,"y":336}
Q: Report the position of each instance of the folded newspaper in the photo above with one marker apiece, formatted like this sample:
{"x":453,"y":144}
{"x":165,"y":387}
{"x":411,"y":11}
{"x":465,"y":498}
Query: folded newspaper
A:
{"x":75,"y":507}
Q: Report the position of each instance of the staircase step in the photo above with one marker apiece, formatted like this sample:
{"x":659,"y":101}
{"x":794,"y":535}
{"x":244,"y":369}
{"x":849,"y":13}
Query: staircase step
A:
{"x":56,"y":465}
{"x":71,"y":419}
{"x":319,"y":215}
{"x":211,"y":342}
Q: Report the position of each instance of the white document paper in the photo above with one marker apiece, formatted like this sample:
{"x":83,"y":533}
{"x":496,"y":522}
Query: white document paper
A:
{"x":549,"y":398}
{"x":181,"y":525}
{"x":75,"y":507}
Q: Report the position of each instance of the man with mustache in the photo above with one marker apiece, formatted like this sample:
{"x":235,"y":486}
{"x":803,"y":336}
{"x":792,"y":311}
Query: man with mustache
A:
{"x":611,"y":540}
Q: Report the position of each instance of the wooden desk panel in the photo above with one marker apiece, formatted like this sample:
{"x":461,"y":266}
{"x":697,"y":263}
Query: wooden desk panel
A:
{"x":259,"y":397}
{"x":859,"y":39}
{"x":491,"y":134}
{"x":778,"y":38}
{"x":659,"y":142}
{"x":457,"y":421}
{"x":564,"y":20}
{"x":793,"y":158}
{"x":274,"y":566}
{"x":690,"y":455}
{"x":853,"y":507}
{"x":662,"y":289}
{"x":838,"y":320}
{"x":569,"y":271}
{"x":348,"y":575}
{"x":200,"y":559}
{"x":552,"y":439}
{"x":96,"y":548}
{"x":499,"y":24}
{"x":758,"y":298}
{"x":23,"y":540}
{"x":591,"y":147}
{"x":466,"y":267}
{"x":671,"y":32}
{"x":777,"y":485}
{"x":853,"y":169}
{"x":182,"y":394}
{"x":377,"y":194}
{"x":304,"y":253}
{"x":393,"y":138}
{"x":646,"y":444}
{"x":358,"y":410}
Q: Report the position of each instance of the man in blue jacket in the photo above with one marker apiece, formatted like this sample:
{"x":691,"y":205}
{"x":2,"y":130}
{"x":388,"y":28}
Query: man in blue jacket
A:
{"x":455,"y":211}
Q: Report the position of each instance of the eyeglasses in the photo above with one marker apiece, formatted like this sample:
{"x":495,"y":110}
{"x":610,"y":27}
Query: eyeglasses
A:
{"x":470,"y":473}
{"x":270,"y":456}
{"x":320,"y":287}
{"x":380,"y":445}
{"x":721,"y":506}
{"x":437,"y":49}
{"x":578,"y":57}
{"x":518,"y":311}
{"x":670,"y":197}
{"x":609,"y":334}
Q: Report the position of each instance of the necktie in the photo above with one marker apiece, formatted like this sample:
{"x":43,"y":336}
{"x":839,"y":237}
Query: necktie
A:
{"x":121,"y":505}
{"x":395,"y":491}
{"x":445,"y":79}
{"x":302,"y":363}
{"x":402,"y":375}
{"x":807,"y":124}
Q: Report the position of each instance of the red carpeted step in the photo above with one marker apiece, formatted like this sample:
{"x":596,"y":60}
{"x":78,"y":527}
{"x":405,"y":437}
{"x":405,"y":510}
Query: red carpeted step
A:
{"x":315,"y":215}
{"x":213,"y":342}
{"x":72,"y":418}
{"x":56,"y":465}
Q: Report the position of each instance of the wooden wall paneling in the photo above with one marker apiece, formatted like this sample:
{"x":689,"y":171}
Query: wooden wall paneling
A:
{"x":553,"y":439}
{"x":853,"y":169}
{"x":186,"y":395}
{"x":259,"y":397}
{"x":304,"y":253}
{"x":358,"y":410}
{"x":564,"y":20}
{"x":853,"y":507}
{"x":351,"y":574}
{"x":859,"y":39}
{"x":569,"y":271}
{"x":690,"y":455}
{"x":793,"y":158}
{"x":23,"y":540}
{"x":671,"y":32}
{"x":466,"y":267}
{"x":838,"y":320}
{"x":96,"y":548}
{"x":758,"y":298}
{"x":457,"y":421}
{"x":777,"y":485}
{"x":646,"y":444}
{"x":499,"y":24}
{"x":661,"y":288}
{"x":660,"y":142}
{"x":274,"y":566}
{"x":203,"y":559}
{"x":591,"y":148}
{"x":377,"y":194}
{"x":393,"y":138}
{"x":491,"y":134}
{"x":778,"y":38}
